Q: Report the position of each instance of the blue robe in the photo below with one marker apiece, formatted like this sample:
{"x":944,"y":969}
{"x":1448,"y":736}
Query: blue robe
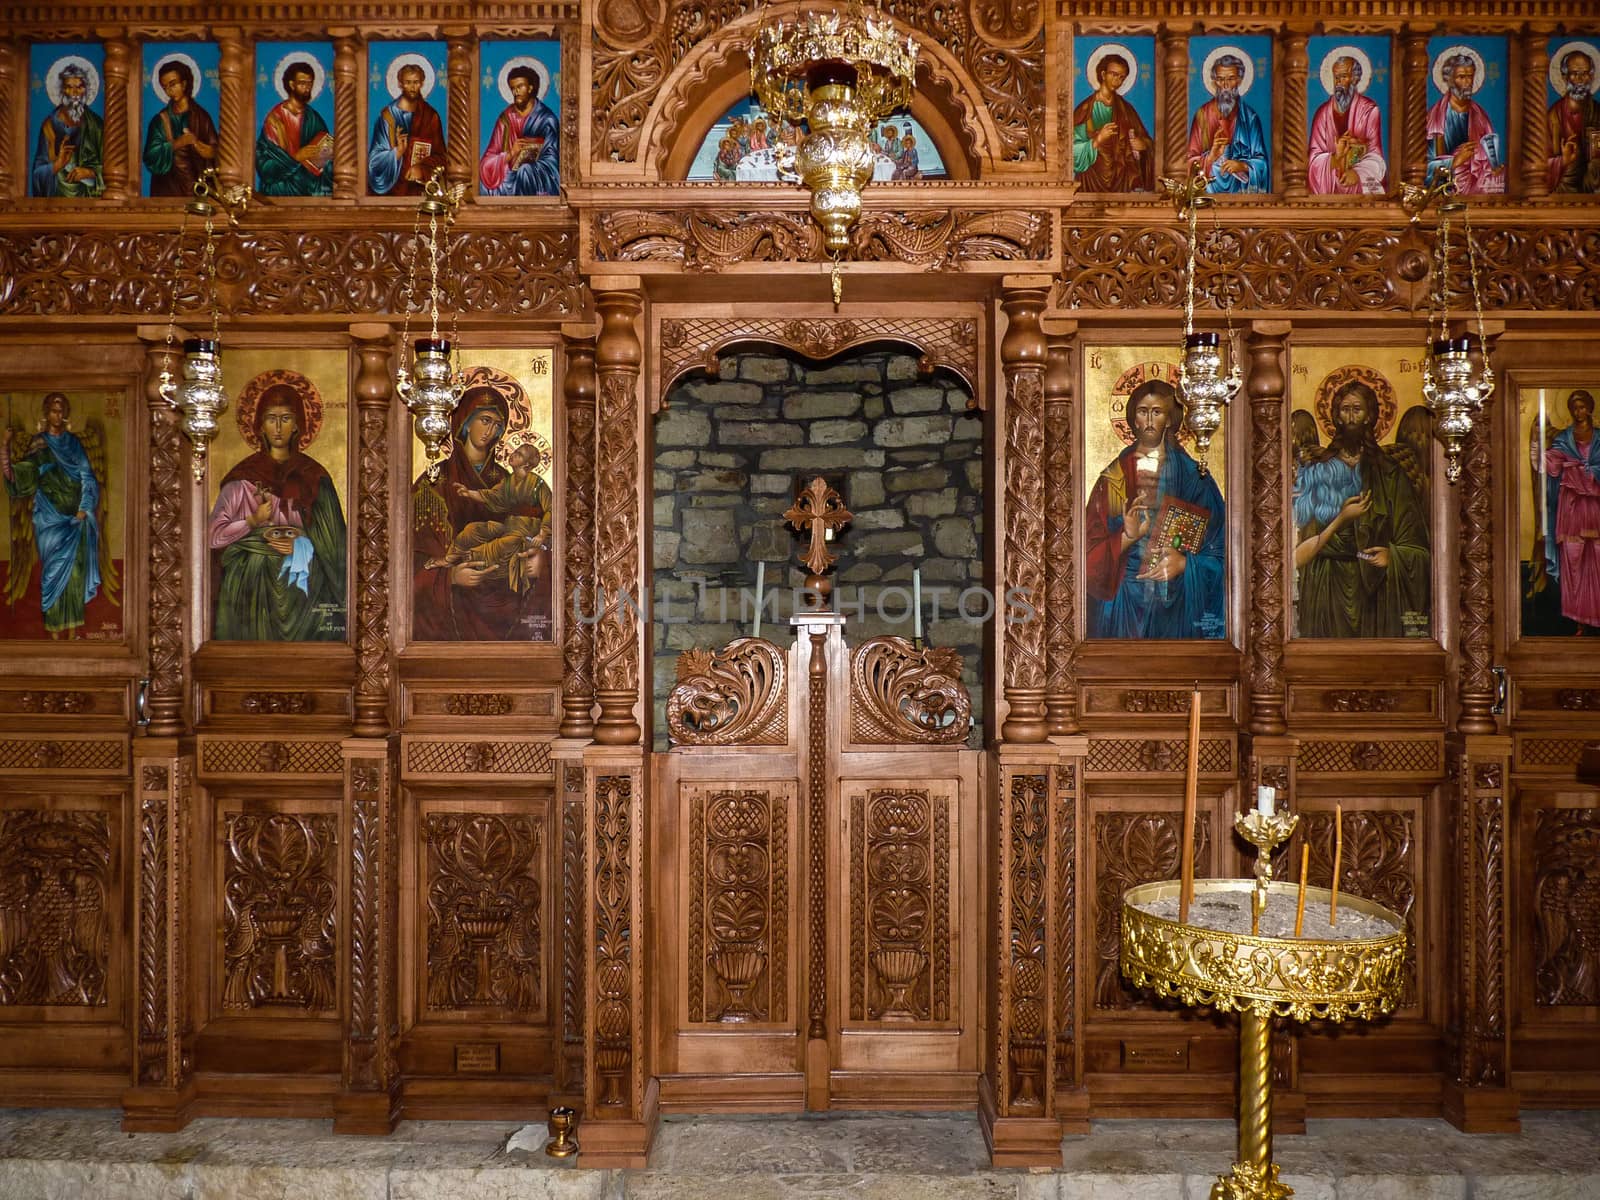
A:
{"x":1247,"y":146}
{"x":57,"y":474}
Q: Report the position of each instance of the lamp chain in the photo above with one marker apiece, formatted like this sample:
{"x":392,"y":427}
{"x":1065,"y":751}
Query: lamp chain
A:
{"x":211,"y":280}
{"x":433,"y":275}
{"x":1477,"y":295}
{"x":1188,"y":296}
{"x":411,"y":285}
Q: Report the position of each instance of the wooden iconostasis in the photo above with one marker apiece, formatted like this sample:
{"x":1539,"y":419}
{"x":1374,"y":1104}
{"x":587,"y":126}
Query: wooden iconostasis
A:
{"x":329,"y":783}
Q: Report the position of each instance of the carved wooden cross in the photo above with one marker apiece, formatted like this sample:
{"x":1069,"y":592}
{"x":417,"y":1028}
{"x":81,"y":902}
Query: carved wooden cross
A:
{"x":818,"y":511}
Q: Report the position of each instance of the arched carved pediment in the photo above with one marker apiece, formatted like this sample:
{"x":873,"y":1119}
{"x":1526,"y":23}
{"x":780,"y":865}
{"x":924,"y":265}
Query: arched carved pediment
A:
{"x":688,"y":343}
{"x":660,"y":84}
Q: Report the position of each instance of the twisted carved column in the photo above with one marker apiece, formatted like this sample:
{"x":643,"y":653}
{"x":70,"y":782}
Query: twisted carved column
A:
{"x":346,"y":135}
{"x":1265,"y":387}
{"x":1536,"y":148}
{"x":169,"y":462}
{"x":235,"y":84}
{"x":10,"y":94}
{"x":1060,"y":689}
{"x":374,"y":391}
{"x":1476,"y":602}
{"x":1022,"y":356}
{"x":1172,"y":46}
{"x":1292,"y":51}
{"x":617,"y":635}
{"x":577,"y":695}
{"x":459,"y":160}
{"x":1413,"y":141}
{"x":115,"y":164}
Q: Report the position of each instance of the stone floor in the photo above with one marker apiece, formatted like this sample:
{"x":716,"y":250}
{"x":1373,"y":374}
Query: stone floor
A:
{"x":56,"y":1155}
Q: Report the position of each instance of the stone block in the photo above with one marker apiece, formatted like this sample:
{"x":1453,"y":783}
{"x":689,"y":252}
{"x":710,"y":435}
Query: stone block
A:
{"x":758,"y":433}
{"x":903,"y":366}
{"x":912,"y":431}
{"x":860,"y":573}
{"x":948,"y":569}
{"x":770,"y":484}
{"x":707,"y":636}
{"x":711,"y":458}
{"x":717,"y":500}
{"x":833,"y":433}
{"x":683,"y":427}
{"x":833,"y":459}
{"x":666,"y":508}
{"x":910,"y":400}
{"x":810,"y":406}
{"x":714,"y":481}
{"x":925,"y":480}
{"x":864,"y":488}
{"x":720,"y":392}
{"x":907,"y":542}
{"x":666,"y":548}
{"x":846,"y":372}
{"x":676,"y":458}
{"x":872,"y":407}
{"x":765,"y":370}
{"x":932,"y":504}
{"x":974,"y":470}
{"x":958,"y":400}
{"x":879,"y":518}
{"x":966,"y":429}
{"x":709,"y":536}
{"x":770,"y":542}
{"x":664,"y":481}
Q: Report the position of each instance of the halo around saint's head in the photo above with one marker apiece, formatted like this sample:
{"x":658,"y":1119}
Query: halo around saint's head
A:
{"x":167,"y":60}
{"x":512,"y":442}
{"x":1556,"y":81}
{"x":52,"y":77}
{"x":1334,"y":383}
{"x":1351,"y":52}
{"x":319,"y":76}
{"x":1247,"y":75}
{"x":1445,"y":55}
{"x":533,"y":64}
{"x":250,"y":398}
{"x":1129,"y":382}
{"x":1120,"y":51}
{"x":391,"y":77}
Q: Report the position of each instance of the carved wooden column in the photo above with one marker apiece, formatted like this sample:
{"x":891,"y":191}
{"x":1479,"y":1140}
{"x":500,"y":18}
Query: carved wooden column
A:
{"x":1268,"y":464}
{"x":1022,"y":357}
{"x":116,"y":165}
{"x":1479,"y":1098}
{"x":1172,"y":47}
{"x":346,"y":134}
{"x":369,"y":1096}
{"x":1296,"y":67}
{"x":577,"y":691}
{"x":460,"y":165}
{"x":235,"y":83}
{"x":163,"y":1056}
{"x":10,"y":95}
{"x":1060,"y":689}
{"x":619,"y":562}
{"x":1070,"y":823}
{"x":621,"y":1097}
{"x":374,"y":392}
{"x":169,"y":481}
{"x":1412,"y":140}
{"x":574,"y":927}
{"x":1475,"y":611}
{"x":1536,"y":148}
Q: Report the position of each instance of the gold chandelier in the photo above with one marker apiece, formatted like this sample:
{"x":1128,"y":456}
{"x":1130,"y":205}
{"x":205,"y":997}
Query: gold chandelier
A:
{"x":432,"y":385}
{"x":841,"y":72}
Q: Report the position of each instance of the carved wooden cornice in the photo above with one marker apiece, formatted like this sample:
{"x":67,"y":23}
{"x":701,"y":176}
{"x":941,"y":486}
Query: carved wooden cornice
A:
{"x":44,"y":19}
{"x":932,"y":239}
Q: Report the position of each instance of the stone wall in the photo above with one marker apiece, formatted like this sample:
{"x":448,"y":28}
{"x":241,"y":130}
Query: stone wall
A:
{"x":728,"y":454}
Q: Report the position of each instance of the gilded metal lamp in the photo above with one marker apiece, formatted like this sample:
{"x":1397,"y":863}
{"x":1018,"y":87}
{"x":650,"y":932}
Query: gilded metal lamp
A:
{"x":199,"y":394}
{"x":432,"y":385}
{"x":1202,"y":386}
{"x":1457,"y":377}
{"x":841,"y":72}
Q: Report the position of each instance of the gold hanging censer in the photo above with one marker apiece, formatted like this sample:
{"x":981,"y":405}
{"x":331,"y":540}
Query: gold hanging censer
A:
{"x":200,"y":396}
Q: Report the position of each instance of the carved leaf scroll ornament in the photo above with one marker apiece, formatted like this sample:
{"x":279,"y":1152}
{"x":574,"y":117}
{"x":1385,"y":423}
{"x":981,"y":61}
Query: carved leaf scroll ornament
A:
{"x":904,"y":694}
{"x":734,"y":696}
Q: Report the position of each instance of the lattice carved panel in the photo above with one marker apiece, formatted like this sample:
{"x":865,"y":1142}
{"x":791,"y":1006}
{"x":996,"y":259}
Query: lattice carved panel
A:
{"x":1133,"y":848}
{"x":485,"y":920}
{"x":1566,"y":906}
{"x":268,"y":757}
{"x":1416,"y":757}
{"x":280,"y":902}
{"x":500,"y":757}
{"x":56,"y":905}
{"x":107,"y":755}
{"x":899,"y":856}
{"x":1145,"y":756}
{"x":739,"y":902}
{"x":1549,"y":752}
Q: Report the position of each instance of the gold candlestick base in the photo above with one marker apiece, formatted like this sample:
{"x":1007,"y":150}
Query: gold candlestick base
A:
{"x":561,"y":1123}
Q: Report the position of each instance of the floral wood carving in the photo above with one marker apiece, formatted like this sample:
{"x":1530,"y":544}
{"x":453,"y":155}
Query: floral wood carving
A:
{"x":574,"y":927}
{"x":1362,"y":700}
{"x":817,"y":838}
{"x":374,"y":855}
{"x":1566,"y":906}
{"x":899,"y":863}
{"x":1130,"y":849}
{"x":478,"y":704}
{"x":577,"y":651}
{"x":1578,"y":699}
{"x":296,"y":703}
{"x":168,"y":601}
{"x":1482,"y":1052}
{"x":738,"y":905}
{"x":1378,"y":862}
{"x":1476,"y":688}
{"x":899,"y":693}
{"x":1025,"y":955}
{"x":686,"y":343}
{"x":617,"y":517}
{"x":373,"y":389}
{"x":1266,"y":390}
{"x":1022,"y":352}
{"x":1066,"y":893}
{"x":1156,"y":700}
{"x":280,"y":905}
{"x":715,"y":239}
{"x":639,"y":44}
{"x":55,"y":889}
{"x":613,"y":950}
{"x":528,"y":272}
{"x":736,"y":696}
{"x":1349,"y":267}
{"x":485,"y":921}
{"x":63,"y":703}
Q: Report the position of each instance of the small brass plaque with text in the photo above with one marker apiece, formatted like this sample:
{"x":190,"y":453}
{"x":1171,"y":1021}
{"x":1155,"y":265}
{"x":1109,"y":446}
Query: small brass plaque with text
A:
{"x":477,"y":1058}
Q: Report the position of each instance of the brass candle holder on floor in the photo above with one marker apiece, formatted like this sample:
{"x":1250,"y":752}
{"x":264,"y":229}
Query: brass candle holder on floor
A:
{"x":1261,"y":977}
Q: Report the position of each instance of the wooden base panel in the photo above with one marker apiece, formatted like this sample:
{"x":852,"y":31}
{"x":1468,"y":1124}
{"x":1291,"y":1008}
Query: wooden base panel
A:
{"x":1288,"y":1111}
{"x":157,"y":1110}
{"x":1482,"y":1110}
{"x":369,"y":1114}
{"x":62,"y":1089}
{"x":1072,"y":1110}
{"x":455,"y":1099}
{"x":914,"y":1091}
{"x":621,"y":1143}
{"x":741,"y":1093}
{"x":1555,"y":1089}
{"x":1017,"y":1141}
{"x":1193,"y":1097}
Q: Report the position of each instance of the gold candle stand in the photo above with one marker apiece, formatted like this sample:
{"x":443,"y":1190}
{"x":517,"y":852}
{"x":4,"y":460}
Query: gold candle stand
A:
{"x":1302,"y":979}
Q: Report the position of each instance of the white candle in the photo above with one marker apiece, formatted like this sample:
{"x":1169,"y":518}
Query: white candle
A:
{"x":916,"y":603}
{"x":1266,"y":800}
{"x":761,"y":580}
